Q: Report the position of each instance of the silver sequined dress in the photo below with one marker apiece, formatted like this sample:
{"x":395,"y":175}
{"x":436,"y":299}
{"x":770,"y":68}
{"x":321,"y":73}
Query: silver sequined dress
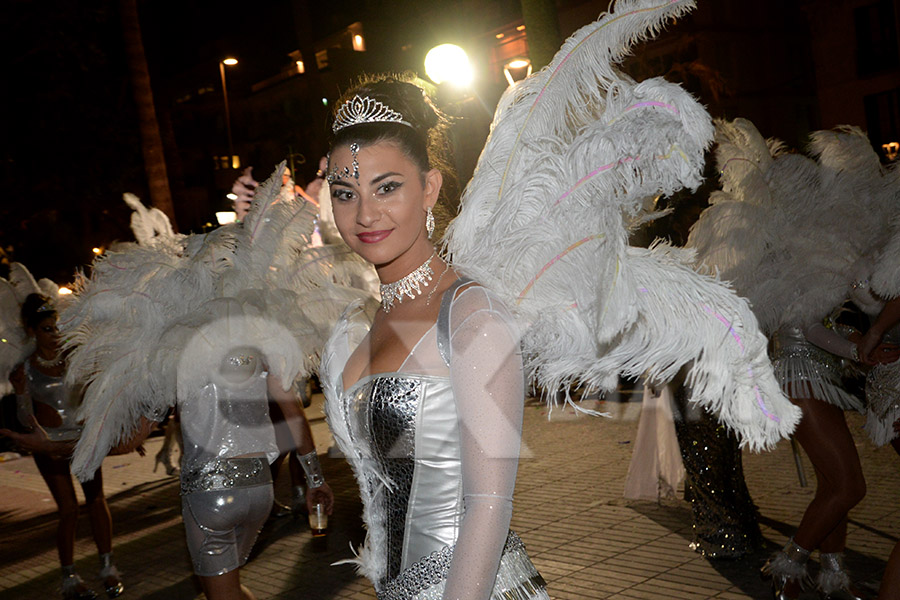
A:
{"x":435,"y":449}
{"x":883,"y":398}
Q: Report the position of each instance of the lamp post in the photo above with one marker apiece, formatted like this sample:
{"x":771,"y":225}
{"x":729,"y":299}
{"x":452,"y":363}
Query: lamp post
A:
{"x":222,"y":63}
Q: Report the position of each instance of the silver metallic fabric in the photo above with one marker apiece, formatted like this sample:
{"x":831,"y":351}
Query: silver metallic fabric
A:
{"x":227,"y":417}
{"x":517,"y":578}
{"x":312,"y":469}
{"x":443,"y":322}
{"x":383,"y":411}
{"x":222,"y":524}
{"x":225,"y":474}
{"x":883,"y":400}
{"x":803,"y":368}
{"x":53,"y":392}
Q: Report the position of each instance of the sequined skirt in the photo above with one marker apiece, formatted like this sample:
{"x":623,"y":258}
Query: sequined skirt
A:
{"x":883,"y":399}
{"x":225,"y":473}
{"x":802,"y":368}
{"x":517,"y":578}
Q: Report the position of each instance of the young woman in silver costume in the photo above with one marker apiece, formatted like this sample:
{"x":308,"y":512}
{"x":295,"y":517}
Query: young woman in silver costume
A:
{"x":226,"y":482}
{"x":44,"y":403}
{"x":427,"y":402}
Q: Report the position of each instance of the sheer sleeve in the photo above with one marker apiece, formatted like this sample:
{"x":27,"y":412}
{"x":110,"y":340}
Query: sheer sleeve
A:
{"x":830,"y":340}
{"x":488,"y":384}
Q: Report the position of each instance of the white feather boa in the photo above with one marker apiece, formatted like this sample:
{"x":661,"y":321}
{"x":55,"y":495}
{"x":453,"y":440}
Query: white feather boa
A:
{"x":574,"y":152}
{"x":370,"y":561}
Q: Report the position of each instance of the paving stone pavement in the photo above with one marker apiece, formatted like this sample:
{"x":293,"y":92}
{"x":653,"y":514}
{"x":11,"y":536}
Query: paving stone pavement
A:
{"x":585,"y":538}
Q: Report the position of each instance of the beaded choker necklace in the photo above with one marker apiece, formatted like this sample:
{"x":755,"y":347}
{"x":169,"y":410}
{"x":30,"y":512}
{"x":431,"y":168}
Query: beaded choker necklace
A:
{"x":49,"y":362}
{"x":410,"y":286}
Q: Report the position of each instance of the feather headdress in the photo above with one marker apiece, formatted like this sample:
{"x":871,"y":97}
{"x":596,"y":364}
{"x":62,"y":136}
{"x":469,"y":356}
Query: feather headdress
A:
{"x":574,"y":152}
{"x":796,"y":234}
{"x":153,"y":321}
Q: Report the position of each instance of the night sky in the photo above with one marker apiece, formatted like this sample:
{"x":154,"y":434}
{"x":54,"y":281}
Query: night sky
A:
{"x":69,"y":140}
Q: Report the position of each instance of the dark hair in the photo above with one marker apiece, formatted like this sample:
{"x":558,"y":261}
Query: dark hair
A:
{"x":35,"y":309}
{"x":424,"y":141}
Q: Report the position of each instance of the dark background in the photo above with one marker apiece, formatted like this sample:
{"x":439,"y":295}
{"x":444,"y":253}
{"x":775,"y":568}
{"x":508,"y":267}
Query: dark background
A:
{"x":69,"y":140}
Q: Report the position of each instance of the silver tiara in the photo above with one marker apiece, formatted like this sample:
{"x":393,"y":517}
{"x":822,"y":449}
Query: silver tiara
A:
{"x":362,"y":109}
{"x":46,"y":307}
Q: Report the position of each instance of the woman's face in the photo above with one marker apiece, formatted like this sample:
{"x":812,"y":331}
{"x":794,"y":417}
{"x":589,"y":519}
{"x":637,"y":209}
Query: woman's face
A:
{"x":46,"y":335}
{"x":381,"y":215}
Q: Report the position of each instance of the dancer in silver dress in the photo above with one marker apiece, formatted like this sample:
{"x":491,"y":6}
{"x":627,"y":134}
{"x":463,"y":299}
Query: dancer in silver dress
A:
{"x":427,"y":402}
{"x":45,"y":403}
{"x":216,"y":325}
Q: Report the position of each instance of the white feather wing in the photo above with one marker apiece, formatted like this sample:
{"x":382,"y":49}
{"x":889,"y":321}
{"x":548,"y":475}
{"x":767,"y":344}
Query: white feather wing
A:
{"x":573,"y":154}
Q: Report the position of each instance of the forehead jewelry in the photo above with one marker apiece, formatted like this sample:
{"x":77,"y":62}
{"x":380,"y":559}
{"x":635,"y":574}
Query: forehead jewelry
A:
{"x":337,"y":174}
{"x":410,"y":286}
{"x":362,"y":109}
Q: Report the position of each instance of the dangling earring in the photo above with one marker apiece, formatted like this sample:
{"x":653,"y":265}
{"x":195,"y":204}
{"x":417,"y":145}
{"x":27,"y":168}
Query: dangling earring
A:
{"x":429,"y":222}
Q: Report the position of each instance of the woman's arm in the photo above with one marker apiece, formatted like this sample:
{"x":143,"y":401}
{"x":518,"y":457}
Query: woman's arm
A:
{"x":37,"y":441}
{"x":887,"y":318}
{"x":319,"y":492}
{"x":489,"y":388}
{"x":139,"y":434}
{"x":830,"y":340}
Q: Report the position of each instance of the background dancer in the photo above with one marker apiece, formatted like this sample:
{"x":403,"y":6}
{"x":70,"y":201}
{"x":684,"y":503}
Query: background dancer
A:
{"x":219,"y":322}
{"x":46,"y":404}
{"x":779,"y":231}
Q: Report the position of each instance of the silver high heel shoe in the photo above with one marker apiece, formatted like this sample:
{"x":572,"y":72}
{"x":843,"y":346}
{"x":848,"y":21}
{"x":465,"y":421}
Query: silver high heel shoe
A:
{"x":788,"y":565}
{"x":832,"y":581}
{"x":73,"y":587}
{"x":109,"y":571}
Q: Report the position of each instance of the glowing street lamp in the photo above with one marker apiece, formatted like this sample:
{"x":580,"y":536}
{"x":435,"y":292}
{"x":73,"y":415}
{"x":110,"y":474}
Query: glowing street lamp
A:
{"x":449,"y":63}
{"x":222,"y":64}
{"x":516,"y":70}
{"x":225,"y":217}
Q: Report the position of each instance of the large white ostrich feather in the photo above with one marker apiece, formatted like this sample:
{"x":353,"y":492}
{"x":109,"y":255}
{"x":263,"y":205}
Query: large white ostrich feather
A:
{"x":155,"y":319}
{"x":798,"y":234}
{"x":574,"y":153}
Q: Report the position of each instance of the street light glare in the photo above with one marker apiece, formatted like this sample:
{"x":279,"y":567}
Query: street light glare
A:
{"x":449,"y":63}
{"x":230,"y":61}
{"x":226,"y":216}
{"x":519,"y":63}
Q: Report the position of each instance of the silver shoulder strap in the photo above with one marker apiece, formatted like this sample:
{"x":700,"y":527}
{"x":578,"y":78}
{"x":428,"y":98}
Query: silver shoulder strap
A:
{"x":443,"y":322}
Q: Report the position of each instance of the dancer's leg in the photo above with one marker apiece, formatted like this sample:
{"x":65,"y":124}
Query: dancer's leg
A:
{"x":840,"y":484}
{"x":226,"y":587}
{"x":98,"y":509}
{"x":56,"y":474}
{"x":59,"y":480}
